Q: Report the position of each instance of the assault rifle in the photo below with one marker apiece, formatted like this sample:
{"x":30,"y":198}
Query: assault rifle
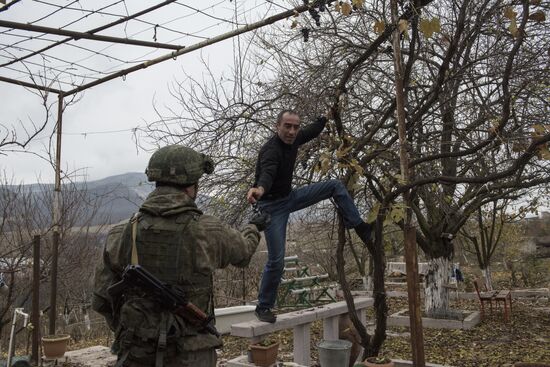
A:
{"x":136,"y":276}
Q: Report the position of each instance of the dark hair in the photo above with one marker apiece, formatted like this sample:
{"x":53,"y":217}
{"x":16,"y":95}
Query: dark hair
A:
{"x":289,"y":111}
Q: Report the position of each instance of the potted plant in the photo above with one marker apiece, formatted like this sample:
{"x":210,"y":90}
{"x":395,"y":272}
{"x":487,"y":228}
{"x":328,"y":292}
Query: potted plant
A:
{"x":378,"y":362}
{"x":264,"y":353}
{"x":55,"y":345}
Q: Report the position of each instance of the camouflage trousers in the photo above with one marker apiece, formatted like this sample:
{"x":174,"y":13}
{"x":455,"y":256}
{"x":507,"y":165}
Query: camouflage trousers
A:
{"x":200,"y":358}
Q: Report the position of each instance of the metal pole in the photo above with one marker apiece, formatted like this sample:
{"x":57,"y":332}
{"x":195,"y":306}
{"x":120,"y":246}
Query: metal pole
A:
{"x":29,"y":85}
{"x":56,"y":216}
{"x":411,"y":260}
{"x":81,"y":35}
{"x":35,"y":318}
{"x":244,"y":285}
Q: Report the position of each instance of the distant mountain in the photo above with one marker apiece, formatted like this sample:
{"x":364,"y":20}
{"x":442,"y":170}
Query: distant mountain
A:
{"x":118,"y":196}
{"x":121,"y":195}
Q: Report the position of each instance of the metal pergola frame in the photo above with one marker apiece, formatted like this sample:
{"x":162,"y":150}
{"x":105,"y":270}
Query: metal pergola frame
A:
{"x":178,"y":50}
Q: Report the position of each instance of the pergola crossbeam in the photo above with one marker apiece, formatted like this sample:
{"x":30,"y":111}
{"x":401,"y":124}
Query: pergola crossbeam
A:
{"x":196,"y":46}
{"x":30,"y":85}
{"x":93,"y":31}
{"x":82,"y":35}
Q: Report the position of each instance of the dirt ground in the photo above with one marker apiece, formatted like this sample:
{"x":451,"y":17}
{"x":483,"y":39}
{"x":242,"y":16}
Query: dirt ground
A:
{"x":493,"y":343}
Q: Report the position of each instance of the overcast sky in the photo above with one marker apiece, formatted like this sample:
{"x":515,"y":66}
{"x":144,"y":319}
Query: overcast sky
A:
{"x":118,"y":104}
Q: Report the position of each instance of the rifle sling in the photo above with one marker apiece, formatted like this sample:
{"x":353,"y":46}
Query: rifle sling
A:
{"x":134,"y":222}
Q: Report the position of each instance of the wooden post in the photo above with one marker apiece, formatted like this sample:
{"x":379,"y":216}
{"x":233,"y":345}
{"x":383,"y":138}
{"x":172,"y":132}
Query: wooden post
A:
{"x":56,"y":217}
{"x":411,"y":260}
{"x":35,"y":315}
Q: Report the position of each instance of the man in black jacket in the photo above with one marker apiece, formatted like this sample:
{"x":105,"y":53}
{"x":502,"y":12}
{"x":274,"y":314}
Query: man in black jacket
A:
{"x":273,"y":192}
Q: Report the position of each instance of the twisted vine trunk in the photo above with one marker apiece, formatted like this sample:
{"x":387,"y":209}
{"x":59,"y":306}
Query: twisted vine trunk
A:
{"x":371,"y":344}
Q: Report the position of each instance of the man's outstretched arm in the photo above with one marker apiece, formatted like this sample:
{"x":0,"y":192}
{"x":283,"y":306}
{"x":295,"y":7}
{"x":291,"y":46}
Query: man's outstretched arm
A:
{"x":268,"y":162}
{"x":312,"y":130}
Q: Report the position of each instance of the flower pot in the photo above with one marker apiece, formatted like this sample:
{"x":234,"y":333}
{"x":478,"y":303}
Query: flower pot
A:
{"x":371,"y":362}
{"x":264,"y":356}
{"x":55,"y":345}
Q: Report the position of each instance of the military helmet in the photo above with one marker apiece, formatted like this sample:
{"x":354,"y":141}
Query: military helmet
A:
{"x":178,"y":165}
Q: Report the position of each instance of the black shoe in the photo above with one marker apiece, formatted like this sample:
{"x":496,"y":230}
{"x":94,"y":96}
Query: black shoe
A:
{"x":364,"y":231}
{"x":265,"y":315}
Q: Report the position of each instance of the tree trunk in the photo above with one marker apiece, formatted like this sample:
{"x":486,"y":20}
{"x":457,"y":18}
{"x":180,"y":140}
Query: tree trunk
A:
{"x":436,"y":294}
{"x":488,"y":278}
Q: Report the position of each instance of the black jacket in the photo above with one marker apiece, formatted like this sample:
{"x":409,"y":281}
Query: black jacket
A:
{"x":275,"y":165}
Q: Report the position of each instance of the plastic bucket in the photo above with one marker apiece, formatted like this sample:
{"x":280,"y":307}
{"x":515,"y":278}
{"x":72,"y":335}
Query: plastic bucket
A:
{"x":334,"y":353}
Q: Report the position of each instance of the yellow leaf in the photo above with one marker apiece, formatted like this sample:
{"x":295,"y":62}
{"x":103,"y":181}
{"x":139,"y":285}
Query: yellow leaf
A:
{"x":373,"y":213}
{"x":397,"y":213}
{"x":342,"y":152}
{"x":346,"y":9}
{"x":403,"y":25}
{"x":513,"y":28}
{"x":358,"y":3}
{"x":510,"y":13}
{"x":429,"y":27}
{"x":379,"y":27}
{"x":543,"y":153}
{"x":355,"y":165}
{"x":425,"y":27}
{"x":519,"y":147}
{"x":325,"y":165}
{"x":538,"y":16}
{"x":541,"y":129}
{"x":436,"y":25}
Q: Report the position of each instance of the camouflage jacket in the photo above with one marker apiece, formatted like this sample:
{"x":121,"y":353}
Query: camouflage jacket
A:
{"x":182,"y":247}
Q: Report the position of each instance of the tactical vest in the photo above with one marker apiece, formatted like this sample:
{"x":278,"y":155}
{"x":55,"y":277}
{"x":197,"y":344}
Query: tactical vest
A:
{"x":166,"y":247}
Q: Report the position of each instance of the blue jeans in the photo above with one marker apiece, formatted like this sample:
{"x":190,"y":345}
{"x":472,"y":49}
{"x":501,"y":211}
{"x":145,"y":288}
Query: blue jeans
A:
{"x":275,"y":234}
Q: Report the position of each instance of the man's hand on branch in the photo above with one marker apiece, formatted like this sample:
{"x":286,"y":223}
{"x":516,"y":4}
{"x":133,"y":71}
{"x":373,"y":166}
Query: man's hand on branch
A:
{"x":254,"y":194}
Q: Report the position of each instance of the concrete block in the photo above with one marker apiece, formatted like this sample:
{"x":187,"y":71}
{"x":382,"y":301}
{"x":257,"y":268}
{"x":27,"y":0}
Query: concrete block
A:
{"x":471,"y":320}
{"x":242,"y":361}
{"x":403,"y":363}
{"x":225,"y":317}
{"x":96,"y":356}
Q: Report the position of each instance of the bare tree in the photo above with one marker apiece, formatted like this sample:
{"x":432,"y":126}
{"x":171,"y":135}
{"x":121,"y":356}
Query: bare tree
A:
{"x":474,"y":103}
{"x":25,"y":212}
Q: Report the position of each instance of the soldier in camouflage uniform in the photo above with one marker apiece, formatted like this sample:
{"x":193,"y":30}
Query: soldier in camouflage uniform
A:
{"x":174,"y":241}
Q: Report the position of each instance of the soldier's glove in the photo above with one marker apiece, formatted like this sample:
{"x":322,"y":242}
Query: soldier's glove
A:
{"x":259,"y":219}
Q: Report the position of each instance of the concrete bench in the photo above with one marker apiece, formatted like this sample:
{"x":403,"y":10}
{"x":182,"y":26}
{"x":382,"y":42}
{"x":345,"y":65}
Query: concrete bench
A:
{"x":300,"y":322}
{"x":291,"y":259}
{"x":311,"y":278}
